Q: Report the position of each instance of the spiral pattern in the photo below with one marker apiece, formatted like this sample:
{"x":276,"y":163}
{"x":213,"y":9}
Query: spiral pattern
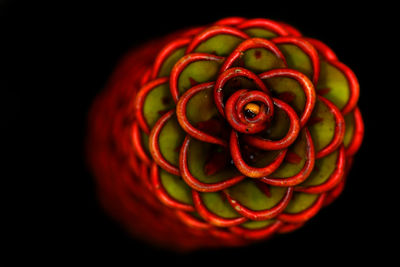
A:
{"x":243,"y":129}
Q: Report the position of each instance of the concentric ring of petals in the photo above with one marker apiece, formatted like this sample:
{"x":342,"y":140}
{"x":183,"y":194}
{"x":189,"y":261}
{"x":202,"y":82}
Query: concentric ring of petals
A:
{"x":243,"y":167}
{"x":241,"y":130}
{"x":286,"y":141}
{"x":234,"y":111}
{"x":229,"y":74}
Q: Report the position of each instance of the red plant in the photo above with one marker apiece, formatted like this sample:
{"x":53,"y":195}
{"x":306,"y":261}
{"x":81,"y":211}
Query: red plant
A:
{"x":224,"y":135}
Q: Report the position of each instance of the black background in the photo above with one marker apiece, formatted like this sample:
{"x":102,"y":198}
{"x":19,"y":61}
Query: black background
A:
{"x":59,"y":56}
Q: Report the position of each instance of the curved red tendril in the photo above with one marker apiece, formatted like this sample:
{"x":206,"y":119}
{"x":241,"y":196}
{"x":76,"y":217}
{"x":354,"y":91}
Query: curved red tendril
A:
{"x":182,"y":64}
{"x":290,"y":29}
{"x":140,"y":99}
{"x":193,"y":31}
{"x":266,"y":24}
{"x":162,"y":195}
{"x":290,"y":227}
{"x":253,"y":172}
{"x":303,"y":174}
{"x":191,"y":221}
{"x":166,"y":52}
{"x":196,"y":184}
{"x":211,"y":217}
{"x":250,"y":44}
{"x":213,"y":31}
{"x":334,"y":193}
{"x":358,"y":134}
{"x":332,"y":181}
{"x":354,"y":86}
{"x":256,"y":234}
{"x":228,"y":236}
{"x":234,"y":111}
{"x":154,"y":146}
{"x":339,"y":130}
{"x":231,"y":21}
{"x":307,"y":48}
{"x":146,"y":77}
{"x":305,"y":214}
{"x":184,"y":122}
{"x":137,"y":145}
{"x":322,"y":49}
{"x":230,"y":74}
{"x":263,"y":214}
{"x":287,"y":140}
{"x":306,"y":85}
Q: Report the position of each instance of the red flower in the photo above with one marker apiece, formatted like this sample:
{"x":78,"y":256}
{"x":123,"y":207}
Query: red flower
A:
{"x":232,"y":133}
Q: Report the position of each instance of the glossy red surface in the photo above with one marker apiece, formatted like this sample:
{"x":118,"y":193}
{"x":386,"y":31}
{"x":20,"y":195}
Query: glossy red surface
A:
{"x":128,"y":177}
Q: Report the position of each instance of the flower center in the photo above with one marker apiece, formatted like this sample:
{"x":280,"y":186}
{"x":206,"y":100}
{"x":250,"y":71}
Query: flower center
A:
{"x":249,"y":111}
